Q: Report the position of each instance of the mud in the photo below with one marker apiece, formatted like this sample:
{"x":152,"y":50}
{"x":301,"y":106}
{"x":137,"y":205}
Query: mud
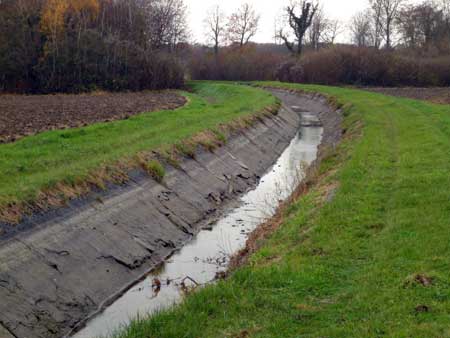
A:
{"x":67,"y":264}
{"x":23,"y":115}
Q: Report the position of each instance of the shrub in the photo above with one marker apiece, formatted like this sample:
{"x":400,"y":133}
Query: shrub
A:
{"x":365,"y":66}
{"x":234,"y":63}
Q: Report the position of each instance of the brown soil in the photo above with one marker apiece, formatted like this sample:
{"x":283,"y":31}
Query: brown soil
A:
{"x":440,"y":95}
{"x":22,"y":115}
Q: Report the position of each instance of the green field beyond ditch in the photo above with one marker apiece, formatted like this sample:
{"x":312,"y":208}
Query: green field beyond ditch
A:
{"x":372,"y":262}
{"x":38,"y":163}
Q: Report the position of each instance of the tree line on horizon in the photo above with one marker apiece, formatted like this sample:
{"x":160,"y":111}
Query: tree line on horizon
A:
{"x":81,"y":45}
{"x":391,"y":43}
{"x":384,"y":24}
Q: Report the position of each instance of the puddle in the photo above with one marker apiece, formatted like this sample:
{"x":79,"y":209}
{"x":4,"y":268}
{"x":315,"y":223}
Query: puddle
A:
{"x":208,"y":254}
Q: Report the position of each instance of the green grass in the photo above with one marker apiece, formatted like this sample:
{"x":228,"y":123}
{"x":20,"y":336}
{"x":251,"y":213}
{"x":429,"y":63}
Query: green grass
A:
{"x":346,"y":268}
{"x":39,"y":162}
{"x":156,"y":170}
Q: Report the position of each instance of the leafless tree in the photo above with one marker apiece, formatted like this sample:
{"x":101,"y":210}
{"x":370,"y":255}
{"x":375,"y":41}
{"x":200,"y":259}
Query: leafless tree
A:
{"x":334,"y":29}
{"x":243,"y":25}
{"x":361,"y":29}
{"x":299,"y":22}
{"x":384,"y":14}
{"x":167,"y":23}
{"x":276,"y":37}
{"x":215,"y":26}
{"x":422,"y":25}
{"x":390,"y":12}
{"x":317,"y":29}
{"x":408,"y":26}
{"x":444,"y":5}
{"x":376,"y":15}
{"x":323,"y":30}
{"x":178,"y":31}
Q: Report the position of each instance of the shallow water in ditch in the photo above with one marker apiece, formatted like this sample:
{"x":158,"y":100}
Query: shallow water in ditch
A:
{"x":208,"y":254}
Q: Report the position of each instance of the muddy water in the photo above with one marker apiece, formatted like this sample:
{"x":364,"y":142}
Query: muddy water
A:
{"x":199,"y":262}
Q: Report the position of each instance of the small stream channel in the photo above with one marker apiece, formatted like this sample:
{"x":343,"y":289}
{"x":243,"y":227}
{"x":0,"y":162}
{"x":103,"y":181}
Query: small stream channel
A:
{"x":208,"y":254}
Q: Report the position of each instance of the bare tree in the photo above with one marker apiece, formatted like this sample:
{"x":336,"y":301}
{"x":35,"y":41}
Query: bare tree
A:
{"x":276,"y":37}
{"x":361,"y":29}
{"x":390,"y":12}
{"x":422,"y":25}
{"x":317,"y":29}
{"x":444,"y":5}
{"x":243,"y":25}
{"x":178,"y":31}
{"x":334,"y":28}
{"x":167,"y":23}
{"x":431,"y":23}
{"x":408,"y":26}
{"x":384,"y":14}
{"x":215,"y":27}
{"x":323,"y":30}
{"x":376,"y":15}
{"x":299,"y":22}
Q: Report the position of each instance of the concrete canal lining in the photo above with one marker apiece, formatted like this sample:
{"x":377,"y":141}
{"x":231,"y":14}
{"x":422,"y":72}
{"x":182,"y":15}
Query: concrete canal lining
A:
{"x":69,"y":263}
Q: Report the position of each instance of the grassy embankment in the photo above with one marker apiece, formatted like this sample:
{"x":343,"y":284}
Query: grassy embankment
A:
{"x":52,"y":166}
{"x":372,"y":262}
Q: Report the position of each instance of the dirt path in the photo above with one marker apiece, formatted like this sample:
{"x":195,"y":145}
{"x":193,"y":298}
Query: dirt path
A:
{"x":22,"y":115}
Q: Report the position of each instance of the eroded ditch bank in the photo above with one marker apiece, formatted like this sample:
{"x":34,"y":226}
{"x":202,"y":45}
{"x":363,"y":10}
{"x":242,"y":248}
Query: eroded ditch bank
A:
{"x":76,"y":261}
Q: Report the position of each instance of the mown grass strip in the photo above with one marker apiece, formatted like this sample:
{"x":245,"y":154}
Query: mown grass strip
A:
{"x":59,"y":163}
{"x":372,"y":262}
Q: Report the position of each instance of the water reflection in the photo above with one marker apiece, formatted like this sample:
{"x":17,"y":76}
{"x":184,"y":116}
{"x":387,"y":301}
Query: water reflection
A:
{"x":208,"y":254}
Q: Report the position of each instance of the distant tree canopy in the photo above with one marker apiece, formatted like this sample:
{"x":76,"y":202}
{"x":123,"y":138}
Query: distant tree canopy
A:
{"x":78,"y":45}
{"x":419,"y":26}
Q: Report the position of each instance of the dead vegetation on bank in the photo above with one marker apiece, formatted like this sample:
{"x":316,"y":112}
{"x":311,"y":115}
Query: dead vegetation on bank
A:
{"x":151,"y":162}
{"x":323,"y":182}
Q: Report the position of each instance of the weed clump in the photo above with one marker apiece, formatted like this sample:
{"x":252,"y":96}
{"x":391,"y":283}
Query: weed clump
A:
{"x":170,"y":156}
{"x":156,"y":170}
{"x":186,"y":149}
{"x":220,"y":136}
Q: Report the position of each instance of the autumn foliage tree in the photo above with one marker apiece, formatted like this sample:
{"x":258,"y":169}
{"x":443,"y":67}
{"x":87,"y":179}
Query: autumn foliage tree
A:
{"x":79,"y":45}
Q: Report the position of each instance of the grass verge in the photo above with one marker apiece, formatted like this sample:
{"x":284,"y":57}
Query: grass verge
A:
{"x":50,"y":168}
{"x":372,"y":261}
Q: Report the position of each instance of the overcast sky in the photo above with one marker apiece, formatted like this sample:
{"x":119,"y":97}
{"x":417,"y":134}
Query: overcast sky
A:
{"x":269,"y":10}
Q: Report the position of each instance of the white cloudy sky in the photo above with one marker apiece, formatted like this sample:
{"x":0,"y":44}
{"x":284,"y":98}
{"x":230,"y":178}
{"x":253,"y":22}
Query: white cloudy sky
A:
{"x":269,"y":9}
